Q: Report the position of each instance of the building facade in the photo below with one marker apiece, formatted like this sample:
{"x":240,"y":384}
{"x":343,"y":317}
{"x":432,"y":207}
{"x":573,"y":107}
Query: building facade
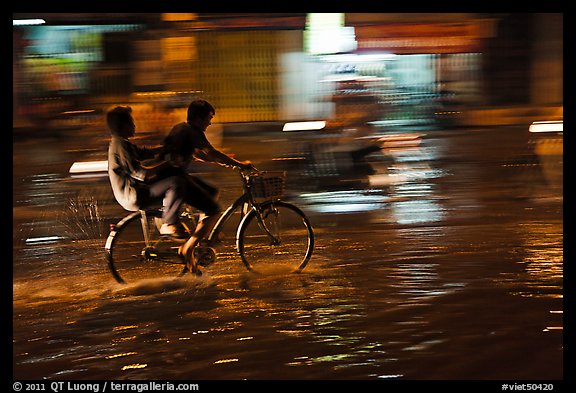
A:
{"x":282,"y":67}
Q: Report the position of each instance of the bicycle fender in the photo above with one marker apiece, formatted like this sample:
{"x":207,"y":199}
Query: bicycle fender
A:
{"x":241,"y":225}
{"x":119,"y":225}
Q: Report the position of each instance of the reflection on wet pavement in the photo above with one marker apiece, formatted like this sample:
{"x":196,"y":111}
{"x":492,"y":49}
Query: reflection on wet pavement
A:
{"x":434,"y":262}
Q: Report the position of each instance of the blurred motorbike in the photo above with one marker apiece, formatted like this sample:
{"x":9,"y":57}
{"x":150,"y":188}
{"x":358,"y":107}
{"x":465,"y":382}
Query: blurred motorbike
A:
{"x":342,"y":159}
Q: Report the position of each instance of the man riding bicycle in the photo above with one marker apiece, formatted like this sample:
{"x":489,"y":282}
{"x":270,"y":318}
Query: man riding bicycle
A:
{"x":187,"y":140}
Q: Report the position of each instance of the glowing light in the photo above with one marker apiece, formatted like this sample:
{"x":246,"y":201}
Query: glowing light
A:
{"x":27,"y":22}
{"x":121,"y":355}
{"x":361,"y":58}
{"x":79,"y":112}
{"x":134,"y":366}
{"x":549,"y":328}
{"x":547,"y":126}
{"x":89,"y":166}
{"x":304,"y":125}
{"x":44,"y":239}
{"x":225,"y":361}
{"x":118,"y":328}
{"x":344,"y":201}
{"x":326,"y":33}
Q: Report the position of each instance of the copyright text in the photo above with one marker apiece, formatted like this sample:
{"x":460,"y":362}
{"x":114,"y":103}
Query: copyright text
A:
{"x":103,"y":386}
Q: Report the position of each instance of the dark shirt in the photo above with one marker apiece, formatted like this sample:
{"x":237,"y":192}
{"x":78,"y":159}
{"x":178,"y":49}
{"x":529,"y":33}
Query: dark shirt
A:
{"x":183,"y":140}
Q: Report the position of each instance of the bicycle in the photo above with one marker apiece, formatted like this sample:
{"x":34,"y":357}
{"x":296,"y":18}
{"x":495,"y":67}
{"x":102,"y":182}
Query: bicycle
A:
{"x":271,"y":232}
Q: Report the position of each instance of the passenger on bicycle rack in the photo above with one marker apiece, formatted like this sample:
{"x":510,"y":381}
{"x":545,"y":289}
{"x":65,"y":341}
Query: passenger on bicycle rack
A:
{"x":187,"y":140}
{"x":135,"y":185}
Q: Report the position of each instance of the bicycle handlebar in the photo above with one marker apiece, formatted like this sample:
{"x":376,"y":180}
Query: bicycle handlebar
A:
{"x":245,"y":172}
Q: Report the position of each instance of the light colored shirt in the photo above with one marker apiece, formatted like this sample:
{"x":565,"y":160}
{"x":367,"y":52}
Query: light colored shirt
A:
{"x":124,"y":170}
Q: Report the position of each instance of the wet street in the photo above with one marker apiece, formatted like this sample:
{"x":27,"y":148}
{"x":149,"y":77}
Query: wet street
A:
{"x":444,"y":263}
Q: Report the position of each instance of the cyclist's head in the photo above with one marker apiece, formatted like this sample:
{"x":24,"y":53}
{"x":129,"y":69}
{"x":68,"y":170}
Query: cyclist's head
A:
{"x":200,"y":111}
{"x":120,"y":121}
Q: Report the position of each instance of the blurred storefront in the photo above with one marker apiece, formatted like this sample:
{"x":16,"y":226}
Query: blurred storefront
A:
{"x":60,"y":67}
{"x":282,"y":67}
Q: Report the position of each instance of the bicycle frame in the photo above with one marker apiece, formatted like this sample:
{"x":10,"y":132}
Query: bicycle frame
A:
{"x":243,"y":200}
{"x":237,"y":204}
{"x":145,"y":229}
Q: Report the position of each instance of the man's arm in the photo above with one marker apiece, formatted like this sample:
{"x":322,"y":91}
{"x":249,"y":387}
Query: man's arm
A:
{"x":209,"y":153}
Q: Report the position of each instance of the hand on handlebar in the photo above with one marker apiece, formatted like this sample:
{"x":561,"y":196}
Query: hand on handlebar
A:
{"x":246,"y":166}
{"x":249,"y":166}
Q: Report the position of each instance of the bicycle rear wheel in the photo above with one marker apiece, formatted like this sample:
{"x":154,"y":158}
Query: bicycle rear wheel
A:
{"x":285,"y":241}
{"x":132,"y":258}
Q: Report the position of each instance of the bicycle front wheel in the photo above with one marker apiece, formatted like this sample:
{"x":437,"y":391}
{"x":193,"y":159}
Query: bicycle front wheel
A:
{"x":281,"y":236}
{"x":136,"y":251}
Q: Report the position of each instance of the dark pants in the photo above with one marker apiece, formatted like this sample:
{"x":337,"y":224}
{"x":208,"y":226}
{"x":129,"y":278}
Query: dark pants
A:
{"x":201,"y":195}
{"x":176,"y":187}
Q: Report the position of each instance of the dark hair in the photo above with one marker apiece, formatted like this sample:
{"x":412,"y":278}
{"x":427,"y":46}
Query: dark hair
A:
{"x":199,"y":108}
{"x":118,"y":118}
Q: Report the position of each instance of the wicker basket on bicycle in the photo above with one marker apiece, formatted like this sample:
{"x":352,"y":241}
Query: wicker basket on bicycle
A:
{"x":267,"y":185}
